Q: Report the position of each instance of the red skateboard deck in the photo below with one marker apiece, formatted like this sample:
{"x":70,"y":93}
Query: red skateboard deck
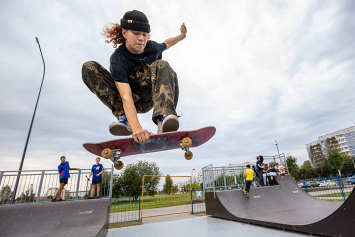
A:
{"x":157,"y":142}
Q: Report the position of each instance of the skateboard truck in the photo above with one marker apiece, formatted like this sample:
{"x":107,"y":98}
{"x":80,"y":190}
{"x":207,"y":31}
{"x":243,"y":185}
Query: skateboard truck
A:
{"x":185,"y":144}
{"x":114,"y":155}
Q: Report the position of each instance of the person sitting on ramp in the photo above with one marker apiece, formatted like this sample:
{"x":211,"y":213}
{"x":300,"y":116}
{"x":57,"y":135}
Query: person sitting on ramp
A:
{"x":139,"y":79}
{"x":280,"y":169}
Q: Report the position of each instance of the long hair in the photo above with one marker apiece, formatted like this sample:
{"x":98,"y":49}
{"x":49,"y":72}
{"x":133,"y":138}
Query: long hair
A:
{"x":113,"y":33}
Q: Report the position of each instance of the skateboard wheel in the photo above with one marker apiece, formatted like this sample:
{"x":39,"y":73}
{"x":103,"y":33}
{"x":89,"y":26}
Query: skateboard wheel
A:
{"x":119,"y":166}
{"x":107,"y":153}
{"x":186,"y":142}
{"x":188,"y":157}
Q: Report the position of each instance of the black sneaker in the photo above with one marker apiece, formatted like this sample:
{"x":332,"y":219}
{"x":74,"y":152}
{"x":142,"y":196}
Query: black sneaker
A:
{"x":54,"y":200}
{"x":59,"y":200}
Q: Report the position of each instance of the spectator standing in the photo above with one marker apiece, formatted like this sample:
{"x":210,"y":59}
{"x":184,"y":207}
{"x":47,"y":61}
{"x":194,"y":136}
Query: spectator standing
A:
{"x":260,"y":172}
{"x":249,"y":174}
{"x":261,"y":159}
{"x":96,"y":172}
{"x":64,"y":175}
{"x":265,"y":170}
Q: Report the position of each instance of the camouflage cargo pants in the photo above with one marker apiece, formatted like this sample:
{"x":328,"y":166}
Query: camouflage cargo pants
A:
{"x":158,"y":88}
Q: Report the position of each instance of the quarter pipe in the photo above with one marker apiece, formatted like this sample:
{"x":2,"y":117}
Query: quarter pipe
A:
{"x":285,"y":206}
{"x":67,"y":218}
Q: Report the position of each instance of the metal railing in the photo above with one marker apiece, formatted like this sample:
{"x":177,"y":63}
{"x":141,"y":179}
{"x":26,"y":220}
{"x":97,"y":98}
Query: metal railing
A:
{"x":42,"y":185}
{"x":270,"y":160}
{"x":198,"y":201}
{"x":329,"y":188}
{"x":125,"y":208}
{"x":232,"y":177}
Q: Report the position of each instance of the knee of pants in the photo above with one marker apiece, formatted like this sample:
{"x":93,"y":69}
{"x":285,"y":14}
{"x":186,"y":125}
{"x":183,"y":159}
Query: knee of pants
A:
{"x":162,"y":63}
{"x":88,"y":64}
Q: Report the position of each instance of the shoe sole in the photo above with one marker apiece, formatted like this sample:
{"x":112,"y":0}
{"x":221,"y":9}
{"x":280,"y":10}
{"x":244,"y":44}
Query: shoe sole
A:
{"x":170,"y":124}
{"x":120,"y":130}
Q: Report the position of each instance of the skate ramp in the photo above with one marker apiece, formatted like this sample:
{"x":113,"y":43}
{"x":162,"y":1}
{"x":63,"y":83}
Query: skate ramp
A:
{"x":67,"y":218}
{"x":285,"y":206}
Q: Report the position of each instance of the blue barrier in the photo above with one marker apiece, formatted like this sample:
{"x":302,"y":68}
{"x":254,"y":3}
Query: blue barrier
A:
{"x":198,"y":201}
{"x":329,"y":188}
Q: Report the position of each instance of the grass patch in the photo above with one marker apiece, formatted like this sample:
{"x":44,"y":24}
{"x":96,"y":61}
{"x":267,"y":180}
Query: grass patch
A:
{"x":153,"y":202}
{"x":334,"y":195}
{"x":124,"y":224}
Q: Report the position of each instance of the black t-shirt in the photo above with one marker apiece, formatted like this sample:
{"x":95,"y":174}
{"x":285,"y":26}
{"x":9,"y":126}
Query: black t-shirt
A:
{"x":257,"y":165}
{"x":128,"y":68}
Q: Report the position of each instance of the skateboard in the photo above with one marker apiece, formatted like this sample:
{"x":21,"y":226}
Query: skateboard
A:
{"x":116,"y":149}
{"x":247,"y":195}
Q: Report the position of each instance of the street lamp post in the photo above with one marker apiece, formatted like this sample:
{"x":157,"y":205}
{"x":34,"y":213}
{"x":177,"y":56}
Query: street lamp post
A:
{"x":277,"y":146}
{"x":278,"y":152}
{"x":29,"y":132}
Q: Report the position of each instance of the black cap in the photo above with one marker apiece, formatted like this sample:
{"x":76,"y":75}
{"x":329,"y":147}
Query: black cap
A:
{"x":135,"y":20}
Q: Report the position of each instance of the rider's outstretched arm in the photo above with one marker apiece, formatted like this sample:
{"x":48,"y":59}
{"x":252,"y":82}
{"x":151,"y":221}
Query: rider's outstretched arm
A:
{"x":139,"y":135}
{"x":172,"y":41}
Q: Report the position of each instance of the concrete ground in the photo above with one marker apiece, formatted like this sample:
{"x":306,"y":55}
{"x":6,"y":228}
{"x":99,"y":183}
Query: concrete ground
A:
{"x":157,"y":219}
{"x":199,"y":226}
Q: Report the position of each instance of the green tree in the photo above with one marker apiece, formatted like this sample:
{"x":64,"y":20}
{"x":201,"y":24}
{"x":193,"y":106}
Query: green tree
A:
{"x":240,"y":178}
{"x":306,"y":165}
{"x":326,"y":170}
{"x":195,"y":186}
{"x":306,"y":171}
{"x":5,"y":195}
{"x":231,"y":180}
{"x":175,"y":189}
{"x":131,"y":179}
{"x":348,"y":167}
{"x":168,"y":186}
{"x":117,"y":187}
{"x":335,"y":159}
{"x":26,"y":196}
{"x":271,"y":165}
{"x":104,"y":186}
{"x":187,"y":187}
{"x":292,"y":166}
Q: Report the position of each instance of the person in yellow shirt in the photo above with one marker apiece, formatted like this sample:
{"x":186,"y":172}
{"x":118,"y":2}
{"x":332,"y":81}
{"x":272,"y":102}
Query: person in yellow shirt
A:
{"x":249,"y":174}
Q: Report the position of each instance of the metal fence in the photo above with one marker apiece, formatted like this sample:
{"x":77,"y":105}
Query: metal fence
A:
{"x":42,"y":185}
{"x":128,"y":208}
{"x":329,"y":188}
{"x":198,"y":201}
{"x":232,"y":177}
{"x":271,"y":160}
{"x":123,"y":209}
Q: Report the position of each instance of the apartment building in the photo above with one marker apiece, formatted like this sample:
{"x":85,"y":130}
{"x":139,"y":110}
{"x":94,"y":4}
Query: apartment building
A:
{"x":196,"y":176}
{"x":344,"y":140}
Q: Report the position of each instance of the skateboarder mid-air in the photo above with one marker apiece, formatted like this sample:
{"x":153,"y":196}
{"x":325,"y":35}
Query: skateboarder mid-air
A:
{"x":96,"y":172}
{"x":139,"y":79}
{"x":63,"y":170}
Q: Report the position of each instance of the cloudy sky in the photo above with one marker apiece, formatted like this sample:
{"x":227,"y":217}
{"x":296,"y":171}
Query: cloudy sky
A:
{"x":258,"y":71}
